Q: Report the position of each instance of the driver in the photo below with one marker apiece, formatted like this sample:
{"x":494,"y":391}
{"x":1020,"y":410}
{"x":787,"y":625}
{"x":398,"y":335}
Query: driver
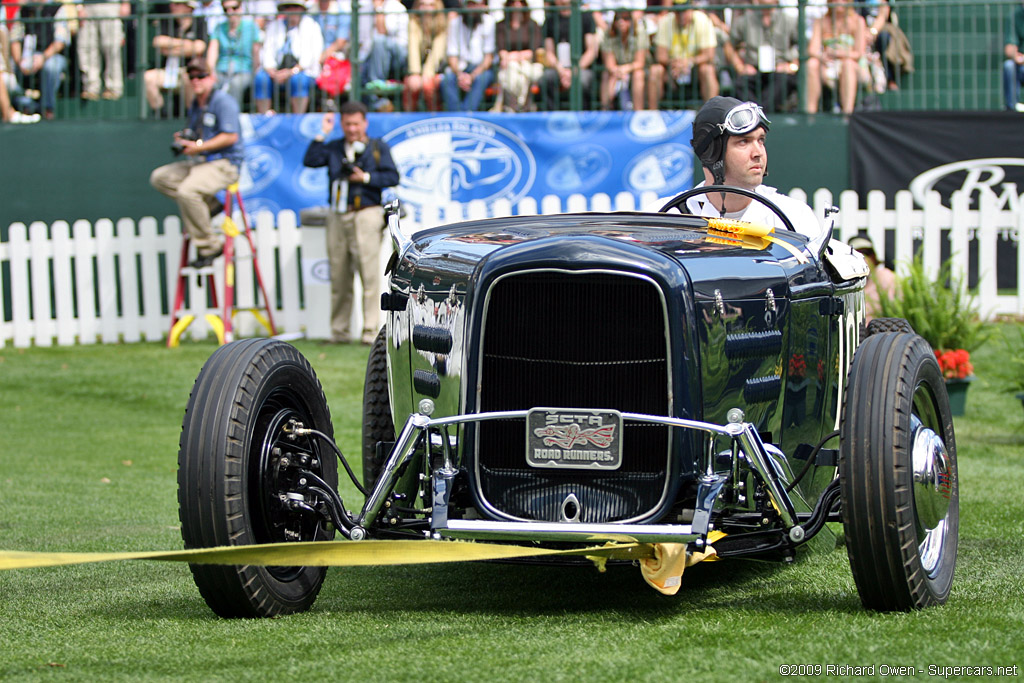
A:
{"x":729,"y":139}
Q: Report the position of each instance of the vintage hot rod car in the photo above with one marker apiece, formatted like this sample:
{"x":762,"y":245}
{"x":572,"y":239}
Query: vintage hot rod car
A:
{"x":558,"y":380}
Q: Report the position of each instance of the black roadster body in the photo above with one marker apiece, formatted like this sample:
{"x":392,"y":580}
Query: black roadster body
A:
{"x":559,"y":380}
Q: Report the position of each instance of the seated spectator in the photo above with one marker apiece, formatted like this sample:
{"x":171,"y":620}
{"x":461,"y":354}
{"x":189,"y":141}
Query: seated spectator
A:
{"x":684,"y":49}
{"x":389,"y":49}
{"x":234,"y":48}
{"x":335,"y":24}
{"x":624,"y":52}
{"x":471,"y":48}
{"x":837,"y":44}
{"x":37,"y":45}
{"x":604,"y":13}
{"x":178,"y":38}
{"x":290,"y":54}
{"x":8,"y":114}
{"x":518,"y":37}
{"x":100,"y":35}
{"x":428,"y":47}
{"x":721,"y":19}
{"x":876,"y":15}
{"x":559,"y":70}
{"x":763,"y":51}
{"x":9,"y":84}
{"x":1013,"y":67}
{"x":881,"y":279}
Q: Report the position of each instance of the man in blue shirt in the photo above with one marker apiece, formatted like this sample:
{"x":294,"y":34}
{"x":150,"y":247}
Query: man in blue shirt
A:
{"x":213,"y":151}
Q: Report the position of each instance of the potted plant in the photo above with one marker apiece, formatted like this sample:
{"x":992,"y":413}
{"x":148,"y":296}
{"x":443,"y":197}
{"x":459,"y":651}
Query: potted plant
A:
{"x":945,"y":313}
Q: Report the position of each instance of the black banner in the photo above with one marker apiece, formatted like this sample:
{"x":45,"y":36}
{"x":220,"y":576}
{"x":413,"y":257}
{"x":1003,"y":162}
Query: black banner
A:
{"x":943,"y":151}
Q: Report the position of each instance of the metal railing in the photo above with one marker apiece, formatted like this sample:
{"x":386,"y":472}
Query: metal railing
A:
{"x":957,"y":51}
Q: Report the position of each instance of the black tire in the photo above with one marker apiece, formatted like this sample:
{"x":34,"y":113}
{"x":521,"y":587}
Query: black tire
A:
{"x":377,"y":422}
{"x":230,"y":479}
{"x":898,"y":475}
{"x":880,"y":325}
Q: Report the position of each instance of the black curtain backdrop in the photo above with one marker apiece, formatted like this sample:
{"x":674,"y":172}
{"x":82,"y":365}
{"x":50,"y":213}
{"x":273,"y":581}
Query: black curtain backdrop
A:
{"x":889,"y":149}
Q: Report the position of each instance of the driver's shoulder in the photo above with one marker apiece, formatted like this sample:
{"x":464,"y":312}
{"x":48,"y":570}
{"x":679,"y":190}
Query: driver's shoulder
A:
{"x":784,"y":200}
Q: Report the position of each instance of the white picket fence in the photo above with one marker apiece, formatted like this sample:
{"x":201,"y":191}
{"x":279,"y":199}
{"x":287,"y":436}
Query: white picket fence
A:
{"x":86,"y":283}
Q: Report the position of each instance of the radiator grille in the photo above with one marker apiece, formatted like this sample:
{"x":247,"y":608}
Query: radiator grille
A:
{"x":563,"y":340}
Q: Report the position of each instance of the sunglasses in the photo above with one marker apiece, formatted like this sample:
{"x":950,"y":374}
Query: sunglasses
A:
{"x":197,"y":77}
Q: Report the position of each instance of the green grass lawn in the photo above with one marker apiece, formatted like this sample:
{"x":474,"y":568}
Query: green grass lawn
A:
{"x":88,"y":449}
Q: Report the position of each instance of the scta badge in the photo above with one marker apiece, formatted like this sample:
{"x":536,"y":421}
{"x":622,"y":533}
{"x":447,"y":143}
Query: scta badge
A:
{"x":574,"y":439}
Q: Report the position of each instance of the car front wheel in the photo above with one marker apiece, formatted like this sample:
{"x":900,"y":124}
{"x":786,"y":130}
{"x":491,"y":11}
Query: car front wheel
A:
{"x":243,"y":473}
{"x":898,"y":475}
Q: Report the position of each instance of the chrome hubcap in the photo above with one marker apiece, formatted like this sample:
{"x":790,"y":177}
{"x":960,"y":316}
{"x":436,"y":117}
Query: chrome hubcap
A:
{"x":933,"y":488}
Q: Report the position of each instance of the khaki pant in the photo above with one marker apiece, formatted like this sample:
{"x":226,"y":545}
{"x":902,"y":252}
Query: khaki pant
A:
{"x":100,"y":36}
{"x":192,"y":184}
{"x":353,"y":246}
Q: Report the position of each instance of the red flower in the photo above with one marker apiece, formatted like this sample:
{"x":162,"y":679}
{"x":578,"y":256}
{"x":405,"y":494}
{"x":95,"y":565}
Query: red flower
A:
{"x":954,"y":363}
{"x":797,"y":366}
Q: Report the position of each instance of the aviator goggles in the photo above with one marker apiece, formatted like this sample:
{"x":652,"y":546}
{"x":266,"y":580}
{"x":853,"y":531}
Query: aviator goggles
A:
{"x":744,"y":118}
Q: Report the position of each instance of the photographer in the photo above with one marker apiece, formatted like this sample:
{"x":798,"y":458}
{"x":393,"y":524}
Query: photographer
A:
{"x":358,"y":169}
{"x":213,"y":153}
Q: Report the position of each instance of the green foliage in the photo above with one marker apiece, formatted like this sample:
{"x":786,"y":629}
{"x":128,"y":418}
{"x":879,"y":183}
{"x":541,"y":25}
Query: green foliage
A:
{"x":1012,"y":337}
{"x":88,"y":447}
{"x":941,"y":310}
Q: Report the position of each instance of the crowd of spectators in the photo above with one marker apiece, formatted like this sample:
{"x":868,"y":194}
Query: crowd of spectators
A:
{"x":456,"y":55}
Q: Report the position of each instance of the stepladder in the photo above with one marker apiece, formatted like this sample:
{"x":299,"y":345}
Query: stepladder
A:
{"x":217,"y":291}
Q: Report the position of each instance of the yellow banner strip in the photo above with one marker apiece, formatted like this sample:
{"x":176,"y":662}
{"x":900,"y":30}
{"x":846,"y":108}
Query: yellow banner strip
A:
{"x":742,"y":230}
{"x":739,"y":227}
{"x":332,"y":554}
{"x":800,"y":256}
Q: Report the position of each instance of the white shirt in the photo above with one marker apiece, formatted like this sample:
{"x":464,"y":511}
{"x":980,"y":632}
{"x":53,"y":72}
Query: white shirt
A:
{"x":801,"y":215}
{"x":468,"y":47}
{"x":306,"y":42}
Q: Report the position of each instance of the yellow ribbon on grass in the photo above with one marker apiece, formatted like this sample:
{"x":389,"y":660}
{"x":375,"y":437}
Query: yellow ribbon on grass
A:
{"x":329,"y":554}
{"x":661,"y":564}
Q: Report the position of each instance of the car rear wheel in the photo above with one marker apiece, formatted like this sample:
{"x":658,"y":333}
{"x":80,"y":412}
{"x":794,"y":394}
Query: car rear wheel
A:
{"x":239,"y":479}
{"x":879,"y":325}
{"x":898,"y":475}
{"x":378,"y":424}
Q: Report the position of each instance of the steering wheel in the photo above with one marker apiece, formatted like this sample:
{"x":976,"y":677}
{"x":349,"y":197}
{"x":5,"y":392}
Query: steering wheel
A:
{"x":680,"y":200}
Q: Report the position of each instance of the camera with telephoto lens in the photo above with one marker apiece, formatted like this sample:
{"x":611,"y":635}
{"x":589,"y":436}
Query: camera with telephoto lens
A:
{"x":188,"y":134}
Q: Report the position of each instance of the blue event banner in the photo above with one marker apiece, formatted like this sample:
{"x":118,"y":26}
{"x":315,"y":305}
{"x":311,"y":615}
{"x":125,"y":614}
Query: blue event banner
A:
{"x":459,"y":157}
